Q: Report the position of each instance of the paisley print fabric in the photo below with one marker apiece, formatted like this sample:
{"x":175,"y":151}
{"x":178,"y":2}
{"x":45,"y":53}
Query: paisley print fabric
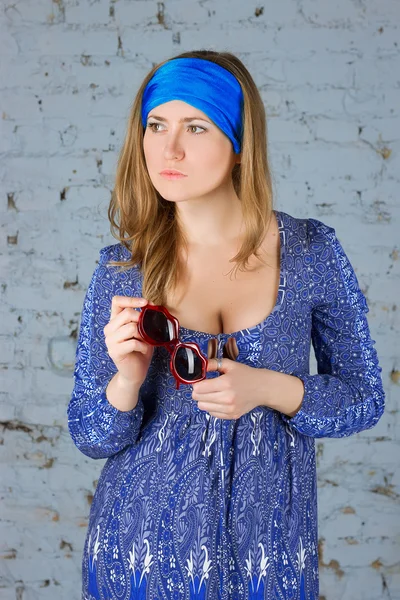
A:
{"x":189,"y":506}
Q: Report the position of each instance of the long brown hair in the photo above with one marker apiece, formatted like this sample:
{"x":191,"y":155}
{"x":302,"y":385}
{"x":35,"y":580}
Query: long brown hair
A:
{"x":145,"y":223}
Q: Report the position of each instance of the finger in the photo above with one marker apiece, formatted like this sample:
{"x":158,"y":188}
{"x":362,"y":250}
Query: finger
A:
{"x":212,"y":364}
{"x":125,"y":348}
{"x":118,"y":303}
{"x":127,"y":315}
{"x":210,"y":408}
{"x":207,"y":386}
{"x":127,"y":332}
{"x":214,"y":399}
{"x":223,"y":416}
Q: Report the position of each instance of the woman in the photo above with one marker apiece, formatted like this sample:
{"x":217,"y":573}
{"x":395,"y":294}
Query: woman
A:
{"x":209,"y":490}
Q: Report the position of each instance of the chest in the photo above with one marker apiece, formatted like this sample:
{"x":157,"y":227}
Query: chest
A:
{"x":212,"y":299}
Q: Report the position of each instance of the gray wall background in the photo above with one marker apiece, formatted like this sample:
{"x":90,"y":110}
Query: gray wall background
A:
{"x":328,"y":72}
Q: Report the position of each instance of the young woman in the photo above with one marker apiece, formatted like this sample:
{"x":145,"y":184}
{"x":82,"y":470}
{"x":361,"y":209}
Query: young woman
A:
{"x":209,"y":490}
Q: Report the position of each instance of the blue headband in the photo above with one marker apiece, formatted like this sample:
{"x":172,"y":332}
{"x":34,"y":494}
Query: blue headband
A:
{"x":203,"y":84}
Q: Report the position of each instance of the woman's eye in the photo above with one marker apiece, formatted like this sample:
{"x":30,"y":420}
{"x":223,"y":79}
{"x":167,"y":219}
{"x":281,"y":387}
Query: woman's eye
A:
{"x":196,"y":127}
{"x":153,"y":126}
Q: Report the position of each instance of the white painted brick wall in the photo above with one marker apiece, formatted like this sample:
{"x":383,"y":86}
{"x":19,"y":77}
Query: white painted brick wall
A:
{"x":328,"y":72}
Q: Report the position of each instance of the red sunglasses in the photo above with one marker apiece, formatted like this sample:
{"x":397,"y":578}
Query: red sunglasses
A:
{"x":158,"y":327}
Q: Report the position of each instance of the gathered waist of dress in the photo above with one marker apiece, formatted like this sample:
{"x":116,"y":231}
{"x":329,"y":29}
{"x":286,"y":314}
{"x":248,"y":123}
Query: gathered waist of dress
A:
{"x":255,"y":429}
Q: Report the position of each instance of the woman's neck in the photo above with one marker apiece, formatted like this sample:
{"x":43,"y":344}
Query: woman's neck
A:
{"x":211,"y":221}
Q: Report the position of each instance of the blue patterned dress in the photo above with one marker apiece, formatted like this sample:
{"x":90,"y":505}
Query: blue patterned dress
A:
{"x":189,"y":506}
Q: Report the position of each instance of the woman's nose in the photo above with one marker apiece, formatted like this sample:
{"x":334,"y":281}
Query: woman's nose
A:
{"x":173,"y":148}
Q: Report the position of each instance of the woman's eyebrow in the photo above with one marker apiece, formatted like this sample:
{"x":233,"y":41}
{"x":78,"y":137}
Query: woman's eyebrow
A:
{"x":184,"y":120}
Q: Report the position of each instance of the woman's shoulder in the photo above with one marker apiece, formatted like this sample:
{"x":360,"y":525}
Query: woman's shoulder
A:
{"x":323,"y":252}
{"x":306,"y":229}
{"x":117,"y":253}
{"x":114,"y":252}
{"x":123,"y":280}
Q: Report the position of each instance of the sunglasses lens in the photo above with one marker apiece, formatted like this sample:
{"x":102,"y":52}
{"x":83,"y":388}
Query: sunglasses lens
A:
{"x":157,"y":326}
{"x":188,"y":364}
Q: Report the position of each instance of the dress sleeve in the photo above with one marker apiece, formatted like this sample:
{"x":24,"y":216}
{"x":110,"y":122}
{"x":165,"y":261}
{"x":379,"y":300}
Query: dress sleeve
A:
{"x":98,"y":428}
{"x":346,"y":396}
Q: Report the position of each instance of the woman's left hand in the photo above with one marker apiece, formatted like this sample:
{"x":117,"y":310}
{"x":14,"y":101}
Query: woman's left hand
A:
{"x":237,"y":391}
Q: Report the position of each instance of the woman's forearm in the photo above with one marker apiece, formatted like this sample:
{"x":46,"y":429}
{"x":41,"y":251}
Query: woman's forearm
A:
{"x":282,"y":392}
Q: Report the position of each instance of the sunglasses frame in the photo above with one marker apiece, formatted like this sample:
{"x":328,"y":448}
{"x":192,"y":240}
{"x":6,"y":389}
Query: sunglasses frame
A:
{"x":173,"y":345}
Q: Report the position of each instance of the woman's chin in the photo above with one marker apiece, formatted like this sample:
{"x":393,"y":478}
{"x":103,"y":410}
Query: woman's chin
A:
{"x":174,"y":197}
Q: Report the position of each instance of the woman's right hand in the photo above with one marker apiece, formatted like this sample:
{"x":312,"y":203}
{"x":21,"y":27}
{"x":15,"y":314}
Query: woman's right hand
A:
{"x":129,"y":352}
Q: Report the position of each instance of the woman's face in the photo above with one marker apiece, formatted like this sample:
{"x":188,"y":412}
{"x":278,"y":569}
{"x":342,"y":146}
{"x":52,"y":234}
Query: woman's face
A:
{"x":196,"y":147}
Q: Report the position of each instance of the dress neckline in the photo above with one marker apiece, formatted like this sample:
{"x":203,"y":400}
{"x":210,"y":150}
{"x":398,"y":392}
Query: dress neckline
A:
{"x":248,"y":331}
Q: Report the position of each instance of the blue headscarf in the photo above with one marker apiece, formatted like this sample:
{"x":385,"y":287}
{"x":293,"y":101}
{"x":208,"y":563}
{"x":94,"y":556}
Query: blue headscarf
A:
{"x":203,"y":84}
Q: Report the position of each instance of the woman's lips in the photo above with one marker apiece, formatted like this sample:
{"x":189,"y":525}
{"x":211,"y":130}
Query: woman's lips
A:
{"x":172,"y":175}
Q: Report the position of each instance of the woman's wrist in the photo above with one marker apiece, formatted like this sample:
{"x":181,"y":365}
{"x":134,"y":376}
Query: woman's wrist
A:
{"x":122,"y":394}
{"x":282,"y":392}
